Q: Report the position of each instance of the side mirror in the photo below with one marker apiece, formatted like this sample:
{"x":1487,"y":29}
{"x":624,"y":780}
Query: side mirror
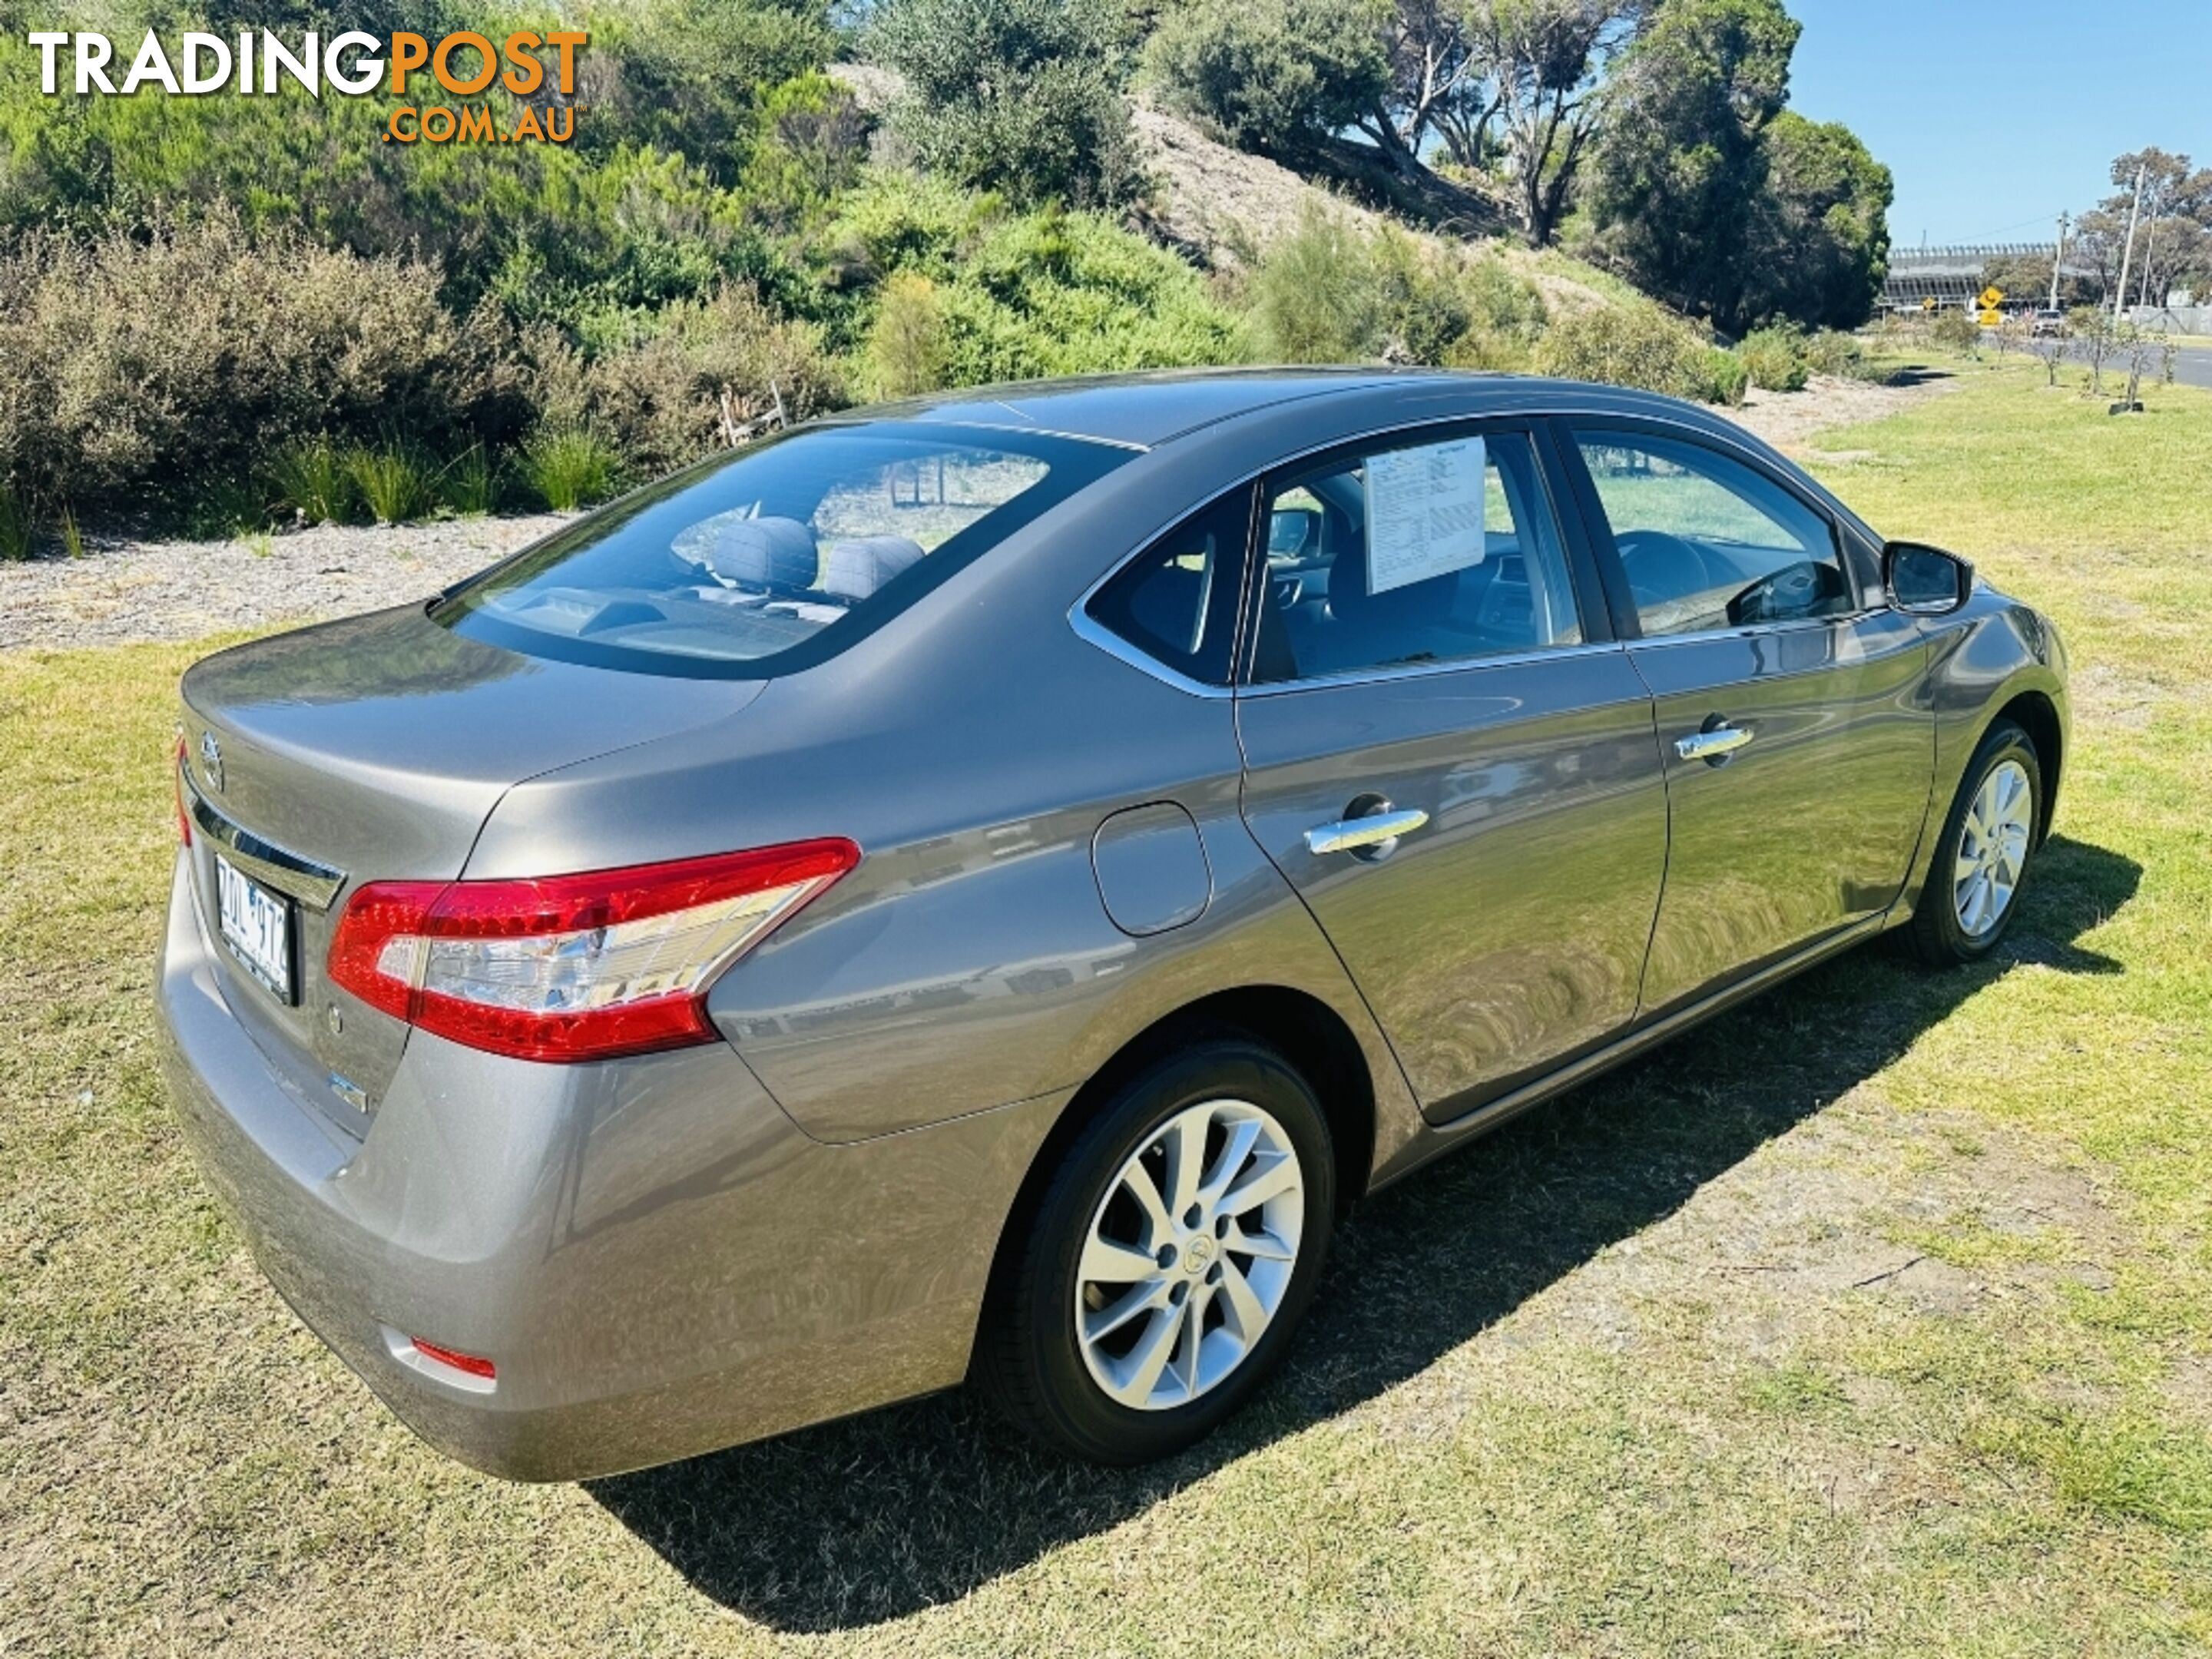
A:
{"x":1925,"y":581}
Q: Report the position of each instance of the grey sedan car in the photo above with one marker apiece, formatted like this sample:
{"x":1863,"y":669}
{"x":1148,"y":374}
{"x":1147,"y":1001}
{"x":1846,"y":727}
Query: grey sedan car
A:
{"x":974,"y":889}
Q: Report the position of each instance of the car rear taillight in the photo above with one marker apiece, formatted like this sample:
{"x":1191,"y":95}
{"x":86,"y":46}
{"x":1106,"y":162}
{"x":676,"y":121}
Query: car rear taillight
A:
{"x":468,"y":1363}
{"x":573,"y":968}
{"x":183,"y":817}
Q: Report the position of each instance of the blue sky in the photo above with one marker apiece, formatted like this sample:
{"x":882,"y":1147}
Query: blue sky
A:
{"x":1995,"y":115}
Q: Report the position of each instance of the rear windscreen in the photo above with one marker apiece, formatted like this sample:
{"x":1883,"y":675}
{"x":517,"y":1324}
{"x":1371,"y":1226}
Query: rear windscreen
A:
{"x":776,"y":557}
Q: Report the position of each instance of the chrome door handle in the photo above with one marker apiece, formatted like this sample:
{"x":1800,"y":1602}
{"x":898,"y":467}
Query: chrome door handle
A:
{"x":1713,"y":744}
{"x":1350,"y":835}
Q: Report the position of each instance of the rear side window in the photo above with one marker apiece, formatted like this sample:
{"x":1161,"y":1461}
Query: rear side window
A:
{"x":777,"y":557}
{"x":1176,"y":601}
{"x":1707,"y":542}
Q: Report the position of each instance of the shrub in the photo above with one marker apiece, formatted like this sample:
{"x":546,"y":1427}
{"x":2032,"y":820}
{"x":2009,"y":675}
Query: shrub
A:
{"x":697,"y":374}
{"x":1775,"y":357}
{"x":72,"y":534}
{"x":570,"y":467}
{"x":1955,"y":330}
{"x":17,"y":527}
{"x":1273,"y":75}
{"x":469,"y":485}
{"x":907,"y":350}
{"x":1022,"y":96}
{"x":1831,"y":351}
{"x":314,"y":478}
{"x":155,"y":367}
{"x":1726,"y":377}
{"x":1633,"y":345}
{"x":1329,"y":291}
{"x":1317,"y":297}
{"x":395,"y":481}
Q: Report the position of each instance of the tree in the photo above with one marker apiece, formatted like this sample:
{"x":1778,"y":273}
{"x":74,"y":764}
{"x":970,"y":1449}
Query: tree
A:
{"x":1680,"y":164}
{"x":1021,"y":96}
{"x":1276,"y":76}
{"x":1545,"y":61}
{"x":1819,"y":250}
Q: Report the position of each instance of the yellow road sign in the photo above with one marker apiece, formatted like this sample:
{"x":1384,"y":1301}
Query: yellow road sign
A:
{"x":1990,"y":298}
{"x":1991,"y":317}
{"x":1928,"y":304}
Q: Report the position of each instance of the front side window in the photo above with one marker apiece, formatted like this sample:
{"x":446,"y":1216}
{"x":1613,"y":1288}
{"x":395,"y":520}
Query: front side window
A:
{"x":1444,"y":550}
{"x":1707,"y":542}
{"x":777,"y":557}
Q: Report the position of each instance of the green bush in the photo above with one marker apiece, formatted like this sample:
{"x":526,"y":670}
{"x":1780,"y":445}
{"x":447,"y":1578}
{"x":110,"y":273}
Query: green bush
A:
{"x":685,"y":379}
{"x":1727,"y":378}
{"x":161,"y":368}
{"x":1956,"y":330}
{"x":1022,"y":96}
{"x":1832,"y":351}
{"x":18,"y":526}
{"x":1318,"y":296}
{"x":907,"y":350}
{"x":570,"y":467}
{"x":1775,"y":358}
{"x":1273,"y":75}
{"x":1329,"y":291}
{"x":314,"y":478}
{"x":395,"y":480}
{"x":1635,"y":345}
{"x":468,"y":485}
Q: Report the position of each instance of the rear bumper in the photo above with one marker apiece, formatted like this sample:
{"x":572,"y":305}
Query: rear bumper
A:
{"x":659,"y":1262}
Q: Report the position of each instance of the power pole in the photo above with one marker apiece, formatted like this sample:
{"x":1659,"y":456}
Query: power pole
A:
{"x":2058,"y":259}
{"x":2150,"y":254}
{"x":2128,"y":256}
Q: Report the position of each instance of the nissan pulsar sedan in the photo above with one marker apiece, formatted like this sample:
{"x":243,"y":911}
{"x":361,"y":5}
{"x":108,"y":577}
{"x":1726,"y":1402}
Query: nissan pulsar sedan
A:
{"x":974,"y":889}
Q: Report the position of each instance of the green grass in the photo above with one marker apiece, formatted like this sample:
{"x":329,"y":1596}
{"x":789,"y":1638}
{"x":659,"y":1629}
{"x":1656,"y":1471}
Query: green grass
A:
{"x":1876,"y":1317}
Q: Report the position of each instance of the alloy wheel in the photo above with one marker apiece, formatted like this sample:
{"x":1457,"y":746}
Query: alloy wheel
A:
{"x":1189,"y":1255}
{"x":1992,"y":849}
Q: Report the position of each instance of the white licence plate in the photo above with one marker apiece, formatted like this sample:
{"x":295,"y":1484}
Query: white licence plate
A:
{"x":257,"y":926}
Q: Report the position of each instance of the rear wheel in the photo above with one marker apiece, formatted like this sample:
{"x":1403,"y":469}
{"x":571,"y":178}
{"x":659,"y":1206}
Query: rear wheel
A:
{"x":1158,"y":1276}
{"x":1981,"y":861}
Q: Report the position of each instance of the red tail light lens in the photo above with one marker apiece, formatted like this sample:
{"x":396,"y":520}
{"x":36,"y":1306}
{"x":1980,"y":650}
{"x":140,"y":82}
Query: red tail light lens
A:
{"x":469,"y":1364}
{"x":183,"y":817}
{"x":573,"y":968}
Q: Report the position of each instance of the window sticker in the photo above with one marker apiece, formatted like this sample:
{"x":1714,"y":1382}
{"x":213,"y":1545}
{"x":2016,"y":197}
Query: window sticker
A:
{"x":1425,"y":513}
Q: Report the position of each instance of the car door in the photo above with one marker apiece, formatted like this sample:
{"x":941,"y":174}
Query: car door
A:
{"x":1798,"y":754}
{"x":1449,"y":758}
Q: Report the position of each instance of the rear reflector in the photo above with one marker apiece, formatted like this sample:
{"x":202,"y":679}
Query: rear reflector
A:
{"x":183,"y":817}
{"x":460,"y":1361}
{"x":573,"y":968}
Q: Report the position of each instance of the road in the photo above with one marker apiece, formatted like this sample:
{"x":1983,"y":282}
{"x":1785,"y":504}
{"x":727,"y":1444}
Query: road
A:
{"x":2192,"y":365}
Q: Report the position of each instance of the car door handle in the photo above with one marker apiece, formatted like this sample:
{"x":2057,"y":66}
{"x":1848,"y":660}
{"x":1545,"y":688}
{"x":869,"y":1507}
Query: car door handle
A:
{"x":1714,"y":744}
{"x":1350,"y":835}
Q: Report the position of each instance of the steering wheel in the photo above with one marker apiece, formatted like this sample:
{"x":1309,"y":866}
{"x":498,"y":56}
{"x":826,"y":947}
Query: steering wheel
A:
{"x":1661,"y":567}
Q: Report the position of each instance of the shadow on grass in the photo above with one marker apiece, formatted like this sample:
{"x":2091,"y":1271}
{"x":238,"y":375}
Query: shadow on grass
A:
{"x":854,"y":1522}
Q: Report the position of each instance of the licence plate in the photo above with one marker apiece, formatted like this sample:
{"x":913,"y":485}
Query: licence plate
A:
{"x":257,"y":926}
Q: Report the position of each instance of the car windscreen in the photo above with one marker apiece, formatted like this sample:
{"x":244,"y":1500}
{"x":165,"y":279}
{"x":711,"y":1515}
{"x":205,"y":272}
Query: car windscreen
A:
{"x":777,"y":557}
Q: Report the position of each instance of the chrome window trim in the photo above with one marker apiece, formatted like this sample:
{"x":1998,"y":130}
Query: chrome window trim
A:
{"x":1091,"y":631}
{"x":314,"y":884}
{"x":1419,"y":671}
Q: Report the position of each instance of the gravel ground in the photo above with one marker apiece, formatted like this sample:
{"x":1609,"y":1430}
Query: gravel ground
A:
{"x":1787,"y":419}
{"x":124,"y":592}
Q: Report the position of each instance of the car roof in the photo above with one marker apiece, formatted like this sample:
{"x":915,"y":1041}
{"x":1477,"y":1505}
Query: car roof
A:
{"x":1142,"y":409}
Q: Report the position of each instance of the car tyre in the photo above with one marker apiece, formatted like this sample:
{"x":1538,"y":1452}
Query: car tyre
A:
{"x":1052,"y":1356}
{"x":1982,"y":857}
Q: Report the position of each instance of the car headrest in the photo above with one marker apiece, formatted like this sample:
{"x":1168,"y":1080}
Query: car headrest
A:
{"x":1409,"y":606}
{"x":856,"y":568}
{"x":773,"y":553}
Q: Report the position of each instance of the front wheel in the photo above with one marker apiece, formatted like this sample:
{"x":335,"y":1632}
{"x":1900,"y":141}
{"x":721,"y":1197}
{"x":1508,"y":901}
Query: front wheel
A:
{"x":1981,"y":860}
{"x":1159,"y":1275}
